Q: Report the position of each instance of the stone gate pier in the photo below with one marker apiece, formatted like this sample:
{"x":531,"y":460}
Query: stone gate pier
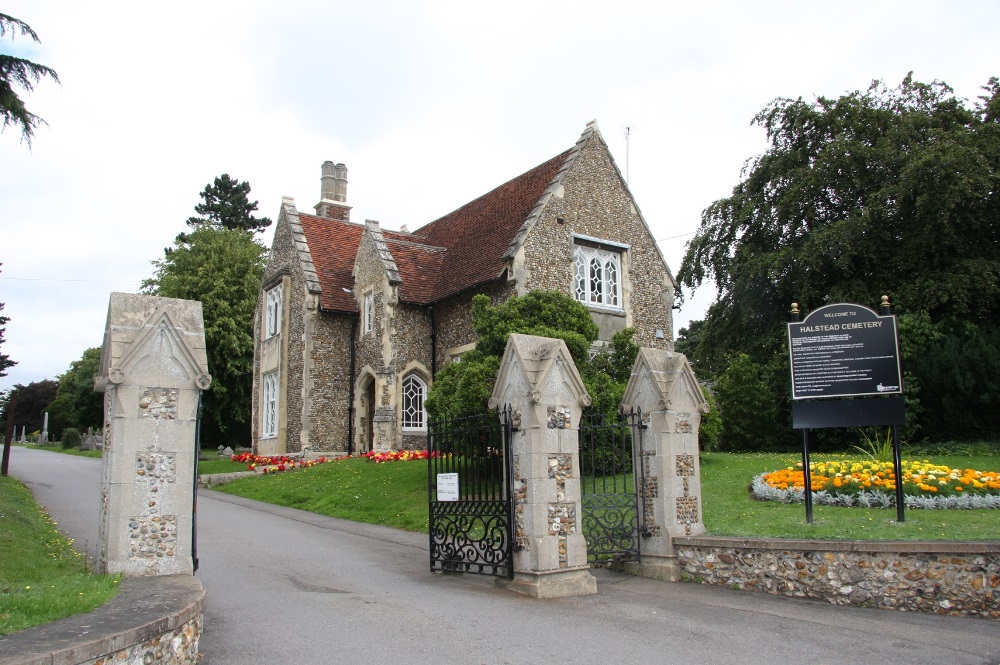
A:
{"x":663,"y":386}
{"x":153,"y":369}
{"x":539,"y":380}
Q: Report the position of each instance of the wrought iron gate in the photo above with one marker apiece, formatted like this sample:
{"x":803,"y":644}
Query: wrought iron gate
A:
{"x":470,"y":501}
{"x":612,"y":466}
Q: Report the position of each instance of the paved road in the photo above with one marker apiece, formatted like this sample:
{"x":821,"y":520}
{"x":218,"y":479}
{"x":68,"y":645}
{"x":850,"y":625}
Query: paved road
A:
{"x":285,"y":586}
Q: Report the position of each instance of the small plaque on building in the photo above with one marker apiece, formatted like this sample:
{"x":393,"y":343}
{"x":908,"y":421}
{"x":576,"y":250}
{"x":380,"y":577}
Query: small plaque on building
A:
{"x":844,"y":350}
{"x":447,"y":487}
{"x":384,"y":414}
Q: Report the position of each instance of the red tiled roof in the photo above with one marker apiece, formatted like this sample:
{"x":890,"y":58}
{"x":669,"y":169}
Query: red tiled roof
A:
{"x":477,"y":235}
{"x":334,"y":246}
{"x":458,"y":251}
{"x":419,"y":266}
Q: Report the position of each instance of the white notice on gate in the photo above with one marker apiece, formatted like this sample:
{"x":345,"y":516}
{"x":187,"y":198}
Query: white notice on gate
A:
{"x":447,"y":487}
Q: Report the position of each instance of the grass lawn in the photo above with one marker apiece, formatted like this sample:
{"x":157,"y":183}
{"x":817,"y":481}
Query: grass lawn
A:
{"x":395,"y":494}
{"x":729,"y":510}
{"x":221,"y":465}
{"x":42,"y":578}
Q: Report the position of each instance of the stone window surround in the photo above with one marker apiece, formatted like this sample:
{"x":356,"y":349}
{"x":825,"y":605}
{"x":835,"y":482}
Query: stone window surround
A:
{"x":412,"y":423}
{"x":454,"y":354}
{"x":368,"y":312}
{"x":272,"y":317}
{"x":269,"y":412}
{"x":608,"y":247}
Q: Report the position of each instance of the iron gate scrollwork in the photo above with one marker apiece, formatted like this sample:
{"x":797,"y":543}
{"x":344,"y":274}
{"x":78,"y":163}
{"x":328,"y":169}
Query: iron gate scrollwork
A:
{"x":472,"y":530}
{"x":613,"y":486}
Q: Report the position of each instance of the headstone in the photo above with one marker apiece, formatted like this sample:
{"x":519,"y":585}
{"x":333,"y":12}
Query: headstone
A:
{"x":540,"y":382}
{"x":153,"y":369}
{"x":663,"y":386}
{"x":44,"y":438}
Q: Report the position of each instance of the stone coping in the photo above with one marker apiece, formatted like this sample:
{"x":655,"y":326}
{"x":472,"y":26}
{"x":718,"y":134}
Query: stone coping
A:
{"x":210,"y":480}
{"x":899,"y":546}
{"x":145,"y":608}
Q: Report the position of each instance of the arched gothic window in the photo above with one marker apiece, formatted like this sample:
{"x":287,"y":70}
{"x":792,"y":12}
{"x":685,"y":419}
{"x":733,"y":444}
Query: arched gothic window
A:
{"x":414,"y":417}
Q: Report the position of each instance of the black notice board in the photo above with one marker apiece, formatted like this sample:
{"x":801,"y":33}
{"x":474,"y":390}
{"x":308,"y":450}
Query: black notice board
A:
{"x":844,"y":350}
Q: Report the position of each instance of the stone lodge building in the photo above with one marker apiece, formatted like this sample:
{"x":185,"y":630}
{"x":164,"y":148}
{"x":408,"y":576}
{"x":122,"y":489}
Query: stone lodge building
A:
{"x":353,"y":321}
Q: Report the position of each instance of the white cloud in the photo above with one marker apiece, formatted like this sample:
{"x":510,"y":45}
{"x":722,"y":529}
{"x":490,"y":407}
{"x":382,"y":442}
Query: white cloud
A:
{"x":429,"y":105}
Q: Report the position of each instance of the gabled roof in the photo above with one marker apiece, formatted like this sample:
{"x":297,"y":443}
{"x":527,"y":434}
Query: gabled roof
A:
{"x":334,"y":246}
{"x":461,"y":250}
{"x":477,"y":235}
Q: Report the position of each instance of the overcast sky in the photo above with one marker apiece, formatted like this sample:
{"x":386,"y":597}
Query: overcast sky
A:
{"x":429,"y":104}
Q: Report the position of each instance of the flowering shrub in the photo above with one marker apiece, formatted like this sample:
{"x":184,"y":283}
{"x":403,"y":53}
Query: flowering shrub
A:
{"x":399,"y":455}
{"x":873,"y":483}
{"x":283,"y":463}
{"x":278,"y":463}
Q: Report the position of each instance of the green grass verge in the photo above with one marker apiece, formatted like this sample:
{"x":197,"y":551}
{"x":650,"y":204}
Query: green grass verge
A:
{"x":222,"y":465}
{"x":55,"y":448}
{"x":395,"y":494}
{"x":42,"y":578}
{"x":392,"y":494}
{"x":730,"y":511}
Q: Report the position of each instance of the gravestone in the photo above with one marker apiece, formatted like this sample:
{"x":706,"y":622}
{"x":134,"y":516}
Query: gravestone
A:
{"x":153,"y":369}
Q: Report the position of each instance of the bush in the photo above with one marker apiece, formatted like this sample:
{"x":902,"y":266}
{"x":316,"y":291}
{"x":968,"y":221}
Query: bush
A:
{"x":71,"y":438}
{"x":711,"y":424}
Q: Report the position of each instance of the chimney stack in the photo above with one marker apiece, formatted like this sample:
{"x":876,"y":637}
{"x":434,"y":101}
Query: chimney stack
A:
{"x":333,"y":192}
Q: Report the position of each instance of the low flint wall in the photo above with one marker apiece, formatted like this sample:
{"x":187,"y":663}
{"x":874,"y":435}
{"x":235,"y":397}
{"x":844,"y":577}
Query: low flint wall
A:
{"x":960,"y":578}
{"x":154,"y":619}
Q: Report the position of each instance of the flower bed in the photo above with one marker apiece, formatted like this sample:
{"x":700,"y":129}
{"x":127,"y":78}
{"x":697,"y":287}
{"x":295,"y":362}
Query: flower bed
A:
{"x":399,"y":456}
{"x":279,"y":463}
{"x":872,"y":483}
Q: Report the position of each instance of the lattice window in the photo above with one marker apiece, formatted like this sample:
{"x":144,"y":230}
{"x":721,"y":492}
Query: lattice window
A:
{"x":269,"y":430}
{"x":597,"y":276}
{"x":273,"y":322}
{"x":414,"y":417}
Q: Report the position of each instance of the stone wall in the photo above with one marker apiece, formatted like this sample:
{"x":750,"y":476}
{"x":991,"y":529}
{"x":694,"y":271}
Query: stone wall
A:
{"x":152,"y":620}
{"x":939,"y":577}
{"x":329,"y":382}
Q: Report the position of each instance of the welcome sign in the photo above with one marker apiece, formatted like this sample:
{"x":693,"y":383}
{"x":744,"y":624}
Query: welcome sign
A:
{"x":844,"y":350}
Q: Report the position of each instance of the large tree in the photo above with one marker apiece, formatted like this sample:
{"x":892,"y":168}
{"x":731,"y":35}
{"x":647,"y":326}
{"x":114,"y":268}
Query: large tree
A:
{"x":223,"y":269}
{"x":76,"y":403}
{"x":5,"y":361}
{"x":32,"y":404}
{"x":19,"y":73}
{"x":226,"y":203}
{"x":887,"y":191}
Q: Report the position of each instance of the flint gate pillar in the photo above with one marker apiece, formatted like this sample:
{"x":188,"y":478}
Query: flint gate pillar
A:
{"x":538,"y":379}
{"x":664,"y":387}
{"x":153,"y":369}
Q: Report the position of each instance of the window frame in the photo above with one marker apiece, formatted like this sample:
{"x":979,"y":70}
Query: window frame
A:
{"x":270,"y":387}
{"x":407,"y":423}
{"x":607,"y":258}
{"x":272,"y":320}
{"x":368,"y":313}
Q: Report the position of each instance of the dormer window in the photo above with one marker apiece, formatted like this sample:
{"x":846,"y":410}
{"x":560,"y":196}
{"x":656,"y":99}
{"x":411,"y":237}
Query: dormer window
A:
{"x":273,"y":317}
{"x":598,"y":274}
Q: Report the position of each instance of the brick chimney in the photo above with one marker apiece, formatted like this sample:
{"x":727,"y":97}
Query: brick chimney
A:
{"x":333,"y":193}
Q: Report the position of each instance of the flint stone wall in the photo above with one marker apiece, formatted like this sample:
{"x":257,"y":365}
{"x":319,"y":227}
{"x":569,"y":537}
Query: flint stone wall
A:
{"x":153,"y":620}
{"x":937,"y":577}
